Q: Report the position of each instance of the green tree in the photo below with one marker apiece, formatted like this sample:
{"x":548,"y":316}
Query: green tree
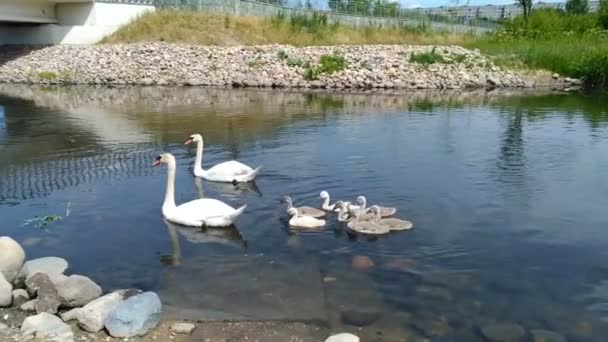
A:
{"x":603,"y":14}
{"x":577,"y":6}
{"x":526,"y":7}
{"x":337,"y":5}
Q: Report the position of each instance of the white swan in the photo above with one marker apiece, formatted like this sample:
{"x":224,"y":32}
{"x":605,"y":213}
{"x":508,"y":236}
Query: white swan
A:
{"x":306,"y":211}
{"x":391,"y":222}
{"x":326,"y":206}
{"x":366,"y":226}
{"x":384,"y":211}
{"x":303,"y":221}
{"x":197,"y":213}
{"x":230,"y":171}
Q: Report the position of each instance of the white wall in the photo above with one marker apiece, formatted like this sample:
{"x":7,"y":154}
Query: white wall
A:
{"x":78,"y":23}
{"x":27,"y":11}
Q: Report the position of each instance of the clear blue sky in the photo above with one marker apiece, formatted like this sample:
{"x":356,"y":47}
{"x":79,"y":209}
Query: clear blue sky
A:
{"x":433,"y":3}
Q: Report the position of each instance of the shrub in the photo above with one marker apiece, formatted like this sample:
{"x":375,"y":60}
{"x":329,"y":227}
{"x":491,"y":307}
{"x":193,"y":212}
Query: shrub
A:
{"x":427,"y":58}
{"x":47,"y":75}
{"x":329,"y":64}
{"x":577,"y":6}
{"x":593,"y":69}
{"x":282,"y":54}
{"x":294,"y":62}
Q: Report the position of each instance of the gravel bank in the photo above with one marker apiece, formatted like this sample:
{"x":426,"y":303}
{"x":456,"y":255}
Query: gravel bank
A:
{"x":365,"y":66}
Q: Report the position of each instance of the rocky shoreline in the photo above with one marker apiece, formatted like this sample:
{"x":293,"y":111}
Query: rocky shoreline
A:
{"x":406,"y":67}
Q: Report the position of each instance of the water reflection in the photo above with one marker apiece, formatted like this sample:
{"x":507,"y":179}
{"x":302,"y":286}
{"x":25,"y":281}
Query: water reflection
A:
{"x":506,"y":193}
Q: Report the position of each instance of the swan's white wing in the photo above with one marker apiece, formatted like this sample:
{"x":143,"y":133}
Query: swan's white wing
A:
{"x":233,"y":168}
{"x":202,"y":208}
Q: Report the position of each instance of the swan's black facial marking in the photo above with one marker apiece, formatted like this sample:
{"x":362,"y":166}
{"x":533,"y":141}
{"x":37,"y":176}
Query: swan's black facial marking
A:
{"x":157,"y":161}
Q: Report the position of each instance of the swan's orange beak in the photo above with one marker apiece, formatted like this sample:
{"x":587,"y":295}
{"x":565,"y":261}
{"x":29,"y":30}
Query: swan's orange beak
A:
{"x":188,"y":141}
{"x":156,"y":162}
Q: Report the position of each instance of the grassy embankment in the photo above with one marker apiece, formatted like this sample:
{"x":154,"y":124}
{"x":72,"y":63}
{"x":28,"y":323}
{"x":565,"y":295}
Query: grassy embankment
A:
{"x":572,"y":45}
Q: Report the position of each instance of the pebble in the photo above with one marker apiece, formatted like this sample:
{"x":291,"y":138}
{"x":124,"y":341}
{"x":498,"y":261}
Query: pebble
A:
{"x":362,"y":263}
{"x":182,"y":328}
{"x":12,"y":257}
{"x":503,"y":332}
{"x":366,"y":66}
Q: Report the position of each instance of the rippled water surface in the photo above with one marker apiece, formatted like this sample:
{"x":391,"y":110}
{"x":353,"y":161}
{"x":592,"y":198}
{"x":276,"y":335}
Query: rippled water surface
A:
{"x":507,"y":194}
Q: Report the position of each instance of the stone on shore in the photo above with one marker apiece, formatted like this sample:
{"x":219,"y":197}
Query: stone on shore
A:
{"x":182,"y":328}
{"x":70,"y":315}
{"x":12,"y":257}
{"x":92,"y":316}
{"x":343,"y":337}
{"x":51,"y":266}
{"x":20,"y":296}
{"x":29,"y":305}
{"x":77,"y":291}
{"x":135,"y":316}
{"x":47,"y":327}
{"x":503,"y":332}
{"x":6,"y":292}
{"x":47,"y":298}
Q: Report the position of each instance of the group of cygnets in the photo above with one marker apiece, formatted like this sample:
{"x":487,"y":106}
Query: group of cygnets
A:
{"x":375,"y":220}
{"x":209,"y":212}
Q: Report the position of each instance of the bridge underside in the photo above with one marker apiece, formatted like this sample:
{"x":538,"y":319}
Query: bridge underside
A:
{"x":34,"y":11}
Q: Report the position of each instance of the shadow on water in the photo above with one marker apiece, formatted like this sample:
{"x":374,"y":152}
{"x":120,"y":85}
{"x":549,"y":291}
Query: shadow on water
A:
{"x":506,"y":192}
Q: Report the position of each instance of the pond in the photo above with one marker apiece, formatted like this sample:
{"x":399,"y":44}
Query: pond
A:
{"x":507,"y":194}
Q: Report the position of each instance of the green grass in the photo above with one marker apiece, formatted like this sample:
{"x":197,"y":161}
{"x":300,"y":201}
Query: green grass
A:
{"x":47,"y":75}
{"x":426,"y":58}
{"x":328,"y":64}
{"x":569,"y":55}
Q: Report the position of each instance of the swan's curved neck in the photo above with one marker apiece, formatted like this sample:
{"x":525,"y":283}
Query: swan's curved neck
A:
{"x":170,"y":194}
{"x":326,"y":203}
{"x":198,"y":161}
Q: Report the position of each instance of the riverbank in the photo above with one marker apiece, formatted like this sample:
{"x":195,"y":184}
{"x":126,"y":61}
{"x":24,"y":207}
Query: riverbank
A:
{"x":406,"y":67}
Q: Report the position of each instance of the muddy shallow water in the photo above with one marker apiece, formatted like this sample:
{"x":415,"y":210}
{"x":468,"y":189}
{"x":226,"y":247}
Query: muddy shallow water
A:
{"x":506,"y":192}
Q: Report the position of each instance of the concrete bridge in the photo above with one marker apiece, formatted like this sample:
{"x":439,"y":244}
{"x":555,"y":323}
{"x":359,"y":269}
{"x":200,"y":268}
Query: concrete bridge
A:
{"x":65,"y":21}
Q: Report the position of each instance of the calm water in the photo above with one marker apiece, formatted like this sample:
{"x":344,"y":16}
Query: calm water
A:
{"x":507,"y":194}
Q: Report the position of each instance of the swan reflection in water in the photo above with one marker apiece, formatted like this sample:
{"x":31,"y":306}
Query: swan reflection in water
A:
{"x":227,"y":189}
{"x":225,"y":236}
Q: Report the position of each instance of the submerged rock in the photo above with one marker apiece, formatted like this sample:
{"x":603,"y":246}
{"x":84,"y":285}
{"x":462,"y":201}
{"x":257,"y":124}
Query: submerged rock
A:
{"x":77,"y":290}
{"x":12,"y":257}
{"x":343,"y":337}
{"x":546,"y":336}
{"x":47,"y":298}
{"x":362,"y":262}
{"x":6,"y":292}
{"x":503,"y":332}
{"x":135,"y":316}
{"x":47,"y":326}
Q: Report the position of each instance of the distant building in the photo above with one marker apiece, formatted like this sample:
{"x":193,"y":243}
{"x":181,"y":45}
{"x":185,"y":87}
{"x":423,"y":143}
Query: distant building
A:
{"x":493,"y":12}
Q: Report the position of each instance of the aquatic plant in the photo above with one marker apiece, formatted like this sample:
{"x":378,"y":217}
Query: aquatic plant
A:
{"x":42,"y":221}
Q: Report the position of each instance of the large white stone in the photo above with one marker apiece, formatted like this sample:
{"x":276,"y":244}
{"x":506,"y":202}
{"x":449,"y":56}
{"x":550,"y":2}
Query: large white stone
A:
{"x":6,"y":292}
{"x":12,"y":257}
{"x":92,"y":316}
{"x":77,"y":290}
{"x":344,"y":337}
{"x":47,"y":326}
{"x":51,"y":266}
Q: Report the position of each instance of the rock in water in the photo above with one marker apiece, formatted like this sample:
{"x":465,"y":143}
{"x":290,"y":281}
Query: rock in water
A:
{"x":47,"y":326}
{"x":547,"y":336}
{"x":48,"y":299}
{"x":12,"y":257}
{"x":135,"y":316}
{"x":6,"y":292}
{"x":50,"y":266}
{"x":344,"y":337}
{"x":182,"y":328}
{"x":93,"y":315}
{"x":77,"y":291}
{"x":503,"y":332}
{"x":20,"y":296}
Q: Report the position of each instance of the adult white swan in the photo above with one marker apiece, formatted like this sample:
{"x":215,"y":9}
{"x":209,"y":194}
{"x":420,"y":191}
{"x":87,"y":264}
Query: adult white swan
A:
{"x":197,"y":213}
{"x":230,"y":171}
{"x":303,"y":221}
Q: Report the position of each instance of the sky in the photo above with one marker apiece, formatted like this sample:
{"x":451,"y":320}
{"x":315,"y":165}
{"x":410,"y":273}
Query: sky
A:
{"x":434,"y":3}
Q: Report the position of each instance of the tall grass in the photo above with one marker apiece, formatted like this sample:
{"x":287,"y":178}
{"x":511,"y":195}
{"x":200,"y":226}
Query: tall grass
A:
{"x":220,"y":29}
